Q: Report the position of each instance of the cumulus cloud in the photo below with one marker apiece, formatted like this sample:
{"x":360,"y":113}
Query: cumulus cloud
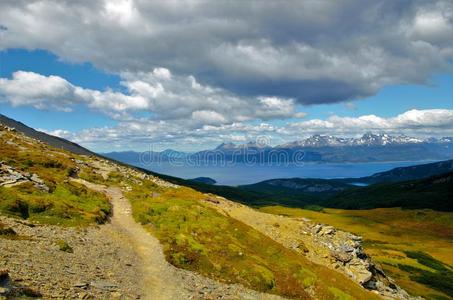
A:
{"x":416,"y":122}
{"x":159,"y":92}
{"x":312,"y":51}
{"x":159,"y":135}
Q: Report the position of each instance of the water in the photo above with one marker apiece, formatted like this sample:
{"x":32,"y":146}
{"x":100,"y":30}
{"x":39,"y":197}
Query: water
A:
{"x":245,"y":174}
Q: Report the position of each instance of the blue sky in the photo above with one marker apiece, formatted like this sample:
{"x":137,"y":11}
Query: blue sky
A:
{"x":138,"y":79}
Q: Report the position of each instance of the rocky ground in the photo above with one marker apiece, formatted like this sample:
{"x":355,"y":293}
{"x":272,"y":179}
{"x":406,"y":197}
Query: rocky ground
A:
{"x":100,"y":265}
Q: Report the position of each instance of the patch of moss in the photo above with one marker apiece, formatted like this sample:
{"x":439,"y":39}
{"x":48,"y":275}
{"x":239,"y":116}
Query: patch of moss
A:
{"x":64,"y":246}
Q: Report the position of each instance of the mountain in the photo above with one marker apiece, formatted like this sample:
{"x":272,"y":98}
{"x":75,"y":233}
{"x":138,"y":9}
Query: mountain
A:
{"x":318,"y":148}
{"x":291,"y":192}
{"x":368,"y":139}
{"x":205,"y":180}
{"x":435,"y":192}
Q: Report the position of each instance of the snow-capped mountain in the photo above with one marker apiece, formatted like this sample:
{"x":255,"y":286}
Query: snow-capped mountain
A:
{"x":368,"y":139}
{"x":371,"y":139}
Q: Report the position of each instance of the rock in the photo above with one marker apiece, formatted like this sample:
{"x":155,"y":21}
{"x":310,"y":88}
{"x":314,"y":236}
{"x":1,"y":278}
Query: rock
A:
{"x":4,"y":274}
{"x":327,"y":230}
{"x":363,"y":276}
{"x":115,"y":295}
{"x":341,"y":256}
{"x":104,"y":285}
{"x":317,"y":228}
{"x":80,"y":284}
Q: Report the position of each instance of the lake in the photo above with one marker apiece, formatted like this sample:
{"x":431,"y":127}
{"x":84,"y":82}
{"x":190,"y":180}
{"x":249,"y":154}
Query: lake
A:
{"x":240,"y":173}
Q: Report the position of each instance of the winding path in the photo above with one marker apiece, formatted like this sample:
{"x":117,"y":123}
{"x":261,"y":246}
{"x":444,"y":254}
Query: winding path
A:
{"x":160,"y":279}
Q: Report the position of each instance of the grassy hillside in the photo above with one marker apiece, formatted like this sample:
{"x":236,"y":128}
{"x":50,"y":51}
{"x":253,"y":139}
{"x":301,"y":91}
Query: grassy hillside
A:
{"x":65,"y":203}
{"x":412,"y":246}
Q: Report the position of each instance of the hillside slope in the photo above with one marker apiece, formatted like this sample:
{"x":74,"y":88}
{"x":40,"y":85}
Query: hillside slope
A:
{"x":44,"y":137}
{"x":407,"y":173}
{"x":435,"y":192}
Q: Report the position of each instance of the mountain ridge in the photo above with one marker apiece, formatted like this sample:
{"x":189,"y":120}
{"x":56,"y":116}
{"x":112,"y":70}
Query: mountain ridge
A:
{"x":318,"y":148}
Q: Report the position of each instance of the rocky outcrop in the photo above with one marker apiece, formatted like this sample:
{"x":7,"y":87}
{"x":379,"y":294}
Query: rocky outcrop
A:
{"x":345,"y":253}
{"x":10,"y":176}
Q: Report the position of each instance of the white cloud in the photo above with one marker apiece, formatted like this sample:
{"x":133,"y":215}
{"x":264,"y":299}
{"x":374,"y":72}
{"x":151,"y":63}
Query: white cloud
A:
{"x":159,"y":135}
{"x":416,"y":122}
{"x":158,"y":92}
{"x":310,"y":51}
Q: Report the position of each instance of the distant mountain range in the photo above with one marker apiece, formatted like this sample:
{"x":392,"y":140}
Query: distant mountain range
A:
{"x":368,"y":139}
{"x":318,"y":148}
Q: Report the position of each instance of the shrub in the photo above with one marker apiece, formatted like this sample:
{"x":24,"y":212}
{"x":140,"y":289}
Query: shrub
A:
{"x":426,"y":260}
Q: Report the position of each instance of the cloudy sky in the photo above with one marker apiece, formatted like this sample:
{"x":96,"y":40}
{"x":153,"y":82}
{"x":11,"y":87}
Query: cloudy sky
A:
{"x":188,"y":75}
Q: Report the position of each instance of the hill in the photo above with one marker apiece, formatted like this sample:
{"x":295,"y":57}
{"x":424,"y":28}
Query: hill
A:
{"x":407,"y":173}
{"x":53,"y":141}
{"x":435,"y":192}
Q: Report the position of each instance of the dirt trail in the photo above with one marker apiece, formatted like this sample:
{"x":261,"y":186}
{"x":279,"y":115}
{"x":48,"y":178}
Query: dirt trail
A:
{"x":160,"y":279}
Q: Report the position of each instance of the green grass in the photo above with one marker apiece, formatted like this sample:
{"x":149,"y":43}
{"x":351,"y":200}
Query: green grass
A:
{"x":68,"y":204}
{"x":64,"y":246}
{"x":198,"y":238}
{"x":339,"y":294}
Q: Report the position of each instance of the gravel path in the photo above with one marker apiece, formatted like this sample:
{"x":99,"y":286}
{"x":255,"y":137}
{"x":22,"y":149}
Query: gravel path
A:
{"x":161,"y":280}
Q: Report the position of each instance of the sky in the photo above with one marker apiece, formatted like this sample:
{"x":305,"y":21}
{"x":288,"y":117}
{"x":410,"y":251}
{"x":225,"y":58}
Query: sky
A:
{"x":189,"y":75}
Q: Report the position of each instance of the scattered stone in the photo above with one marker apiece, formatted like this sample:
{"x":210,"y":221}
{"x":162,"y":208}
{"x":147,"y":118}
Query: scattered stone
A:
{"x":9,"y":232}
{"x":104,"y":285}
{"x":4,"y":274}
{"x":80,"y":284}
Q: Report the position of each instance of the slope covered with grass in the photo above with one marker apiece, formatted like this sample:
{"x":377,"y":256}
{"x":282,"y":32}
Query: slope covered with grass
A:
{"x":64,"y":202}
